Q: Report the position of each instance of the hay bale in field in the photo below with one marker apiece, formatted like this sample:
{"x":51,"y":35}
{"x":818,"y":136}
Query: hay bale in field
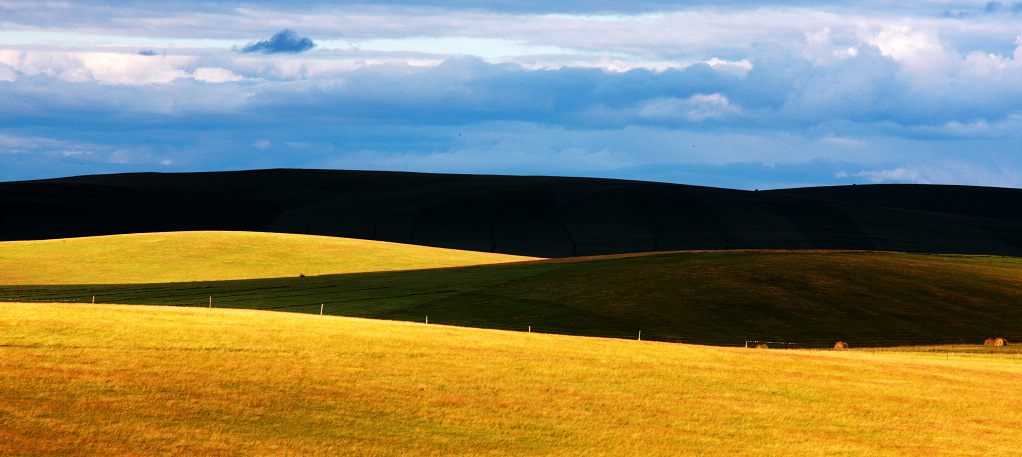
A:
{"x":840,"y":345}
{"x":995,"y":342}
{"x":762,"y":346}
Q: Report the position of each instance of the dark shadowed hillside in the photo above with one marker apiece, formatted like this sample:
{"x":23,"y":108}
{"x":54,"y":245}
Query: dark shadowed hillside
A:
{"x":726,"y":298}
{"x":538,"y":216}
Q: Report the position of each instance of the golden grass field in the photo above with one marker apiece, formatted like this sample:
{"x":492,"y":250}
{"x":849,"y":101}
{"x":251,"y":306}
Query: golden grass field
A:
{"x":211,"y":255}
{"x":136,"y":380}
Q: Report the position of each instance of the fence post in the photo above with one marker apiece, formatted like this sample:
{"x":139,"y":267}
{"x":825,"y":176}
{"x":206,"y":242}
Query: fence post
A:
{"x":640,"y":335}
{"x":321,"y":308}
{"x":210,"y":301}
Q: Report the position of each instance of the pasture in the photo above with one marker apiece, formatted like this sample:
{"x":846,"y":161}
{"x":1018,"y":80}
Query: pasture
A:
{"x":213,"y":256}
{"x":88,"y":379}
{"x":813,"y":298}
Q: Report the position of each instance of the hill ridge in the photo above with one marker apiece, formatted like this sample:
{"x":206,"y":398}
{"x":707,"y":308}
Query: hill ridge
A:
{"x":215,"y":255}
{"x":536,"y":216}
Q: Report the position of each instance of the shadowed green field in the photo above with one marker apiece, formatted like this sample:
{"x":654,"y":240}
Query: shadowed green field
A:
{"x":115,"y":380}
{"x":813,"y":298}
{"x":211,"y":256}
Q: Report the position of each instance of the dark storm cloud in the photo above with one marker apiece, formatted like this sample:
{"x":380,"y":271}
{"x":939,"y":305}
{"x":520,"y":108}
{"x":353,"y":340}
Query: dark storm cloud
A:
{"x":283,"y":42}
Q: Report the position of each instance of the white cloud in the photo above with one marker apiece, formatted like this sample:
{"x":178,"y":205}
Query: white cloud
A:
{"x":696,"y":108}
{"x":820,"y":48}
{"x":945,"y":171}
{"x":920,"y":51}
{"x":215,"y":75}
{"x":735,"y":68}
{"x":114,"y":68}
{"x":11,"y":144}
{"x":897,"y":175}
{"x":507,"y":156}
{"x":104,"y":67}
{"x":7,"y":73}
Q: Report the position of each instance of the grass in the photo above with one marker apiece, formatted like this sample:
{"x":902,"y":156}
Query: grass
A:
{"x":211,"y":256}
{"x":814,"y":298}
{"x":116,"y":380}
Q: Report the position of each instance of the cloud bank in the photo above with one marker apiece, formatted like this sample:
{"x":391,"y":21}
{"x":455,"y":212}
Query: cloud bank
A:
{"x":730,"y":94}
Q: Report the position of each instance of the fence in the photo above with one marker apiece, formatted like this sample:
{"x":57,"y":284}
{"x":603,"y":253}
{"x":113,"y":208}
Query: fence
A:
{"x":447,"y":306}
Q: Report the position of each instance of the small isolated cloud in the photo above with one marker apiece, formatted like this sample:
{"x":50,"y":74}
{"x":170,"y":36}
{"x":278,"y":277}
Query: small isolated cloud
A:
{"x":284,"y":41}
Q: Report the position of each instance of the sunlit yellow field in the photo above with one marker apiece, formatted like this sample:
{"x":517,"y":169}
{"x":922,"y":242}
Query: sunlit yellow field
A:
{"x":134,"y":380}
{"x":208,"y":256}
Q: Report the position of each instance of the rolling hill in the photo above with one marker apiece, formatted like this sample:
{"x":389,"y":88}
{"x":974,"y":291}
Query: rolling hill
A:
{"x":118,"y":380}
{"x":210,"y":256}
{"x":522,"y":215}
{"x":811,"y":298}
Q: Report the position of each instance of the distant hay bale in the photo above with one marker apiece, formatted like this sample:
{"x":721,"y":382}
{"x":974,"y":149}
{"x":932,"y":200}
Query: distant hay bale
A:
{"x":762,"y":346}
{"x":841,"y":345}
{"x":995,"y":342}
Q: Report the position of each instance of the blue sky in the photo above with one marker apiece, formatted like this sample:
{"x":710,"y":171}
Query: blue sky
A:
{"x":732,"y":94}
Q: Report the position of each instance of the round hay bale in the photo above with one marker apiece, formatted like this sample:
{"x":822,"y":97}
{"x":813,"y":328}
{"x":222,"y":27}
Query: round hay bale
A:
{"x":762,"y":346}
{"x":840,"y":345}
{"x":995,"y":342}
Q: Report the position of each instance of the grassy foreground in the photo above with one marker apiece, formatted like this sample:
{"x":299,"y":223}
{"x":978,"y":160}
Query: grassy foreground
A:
{"x":212,"y":256}
{"x":117,"y":380}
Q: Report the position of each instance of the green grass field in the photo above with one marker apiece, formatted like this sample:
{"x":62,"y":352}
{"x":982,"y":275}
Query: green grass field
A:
{"x":133,"y":380}
{"x":814,"y":298}
{"x":211,"y":256}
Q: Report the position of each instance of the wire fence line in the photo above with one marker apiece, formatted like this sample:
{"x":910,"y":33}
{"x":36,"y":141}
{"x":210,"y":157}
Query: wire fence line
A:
{"x":336,"y":300}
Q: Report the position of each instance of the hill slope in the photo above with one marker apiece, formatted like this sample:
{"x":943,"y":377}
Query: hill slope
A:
{"x":210,"y":256}
{"x":534,"y":216}
{"x":721,"y":298}
{"x":108,"y":380}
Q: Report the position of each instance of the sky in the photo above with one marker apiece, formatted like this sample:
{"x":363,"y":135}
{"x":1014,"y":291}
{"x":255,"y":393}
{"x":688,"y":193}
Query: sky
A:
{"x":735,"y":94}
